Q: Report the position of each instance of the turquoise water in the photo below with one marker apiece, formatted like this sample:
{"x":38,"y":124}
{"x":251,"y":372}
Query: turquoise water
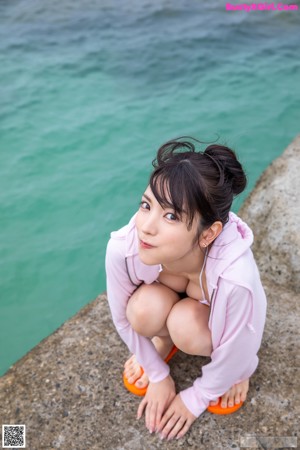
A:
{"x":89,"y":90}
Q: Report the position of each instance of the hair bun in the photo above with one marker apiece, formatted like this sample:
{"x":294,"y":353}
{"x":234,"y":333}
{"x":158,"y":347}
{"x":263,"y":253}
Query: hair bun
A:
{"x":230,"y":168}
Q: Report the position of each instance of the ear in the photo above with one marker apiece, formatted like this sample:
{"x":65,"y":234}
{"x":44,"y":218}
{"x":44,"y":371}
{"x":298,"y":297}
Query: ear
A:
{"x":210,"y":234}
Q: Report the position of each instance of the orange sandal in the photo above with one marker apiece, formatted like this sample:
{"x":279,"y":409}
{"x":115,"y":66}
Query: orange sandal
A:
{"x":217,"y":409}
{"x":142,"y":391}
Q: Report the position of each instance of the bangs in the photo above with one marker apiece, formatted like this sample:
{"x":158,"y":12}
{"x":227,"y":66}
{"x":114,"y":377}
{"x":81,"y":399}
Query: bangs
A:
{"x":196,"y":185}
{"x":171,"y":190}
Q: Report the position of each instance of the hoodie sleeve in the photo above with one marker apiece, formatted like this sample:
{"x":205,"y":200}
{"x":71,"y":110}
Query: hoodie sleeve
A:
{"x":119,"y":291}
{"x":233,"y":358}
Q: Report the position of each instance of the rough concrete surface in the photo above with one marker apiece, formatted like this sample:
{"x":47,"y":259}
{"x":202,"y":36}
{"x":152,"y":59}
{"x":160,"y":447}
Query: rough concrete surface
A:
{"x":68,"y":390}
{"x":273,"y":212}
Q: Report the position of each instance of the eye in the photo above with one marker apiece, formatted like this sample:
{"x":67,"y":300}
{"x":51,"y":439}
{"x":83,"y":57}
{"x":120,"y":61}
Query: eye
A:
{"x":144,"y":205}
{"x":171,"y":216}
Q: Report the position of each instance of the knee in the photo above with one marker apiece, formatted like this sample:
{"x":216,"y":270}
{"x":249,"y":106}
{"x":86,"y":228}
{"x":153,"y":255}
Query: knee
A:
{"x":148,"y":308}
{"x":187,"y":324}
{"x":138,"y":310}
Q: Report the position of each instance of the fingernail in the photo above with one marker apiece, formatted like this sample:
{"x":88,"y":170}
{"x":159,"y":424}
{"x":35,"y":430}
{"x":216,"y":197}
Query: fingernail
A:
{"x":230,"y":404}
{"x":161,"y":436}
{"x":139,"y":383}
{"x":223,"y":405}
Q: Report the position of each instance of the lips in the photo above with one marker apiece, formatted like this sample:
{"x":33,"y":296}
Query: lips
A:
{"x":145,"y":245}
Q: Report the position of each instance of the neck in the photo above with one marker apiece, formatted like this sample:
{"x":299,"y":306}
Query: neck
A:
{"x":189,"y":265}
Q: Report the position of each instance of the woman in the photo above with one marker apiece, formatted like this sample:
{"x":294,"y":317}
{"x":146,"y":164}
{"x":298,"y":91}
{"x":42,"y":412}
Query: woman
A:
{"x":182,"y":274}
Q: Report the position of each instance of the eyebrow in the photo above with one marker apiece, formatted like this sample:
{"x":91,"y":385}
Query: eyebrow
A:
{"x":163,"y":207}
{"x":147,"y":198}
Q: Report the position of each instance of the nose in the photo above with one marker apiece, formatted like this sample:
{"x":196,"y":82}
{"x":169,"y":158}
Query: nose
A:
{"x":149,"y":225}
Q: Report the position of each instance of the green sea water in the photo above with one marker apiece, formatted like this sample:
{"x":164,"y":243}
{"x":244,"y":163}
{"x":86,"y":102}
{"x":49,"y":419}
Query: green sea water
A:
{"x":89,"y":90}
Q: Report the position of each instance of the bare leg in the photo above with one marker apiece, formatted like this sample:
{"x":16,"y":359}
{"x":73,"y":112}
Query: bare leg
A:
{"x":147,"y":311}
{"x":132,"y":368}
{"x":188,"y":327}
{"x":184,"y":323}
{"x":188,"y":319}
{"x":155,"y":310}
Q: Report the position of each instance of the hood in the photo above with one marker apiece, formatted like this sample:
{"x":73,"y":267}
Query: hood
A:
{"x":129,"y":233}
{"x":234,"y":241}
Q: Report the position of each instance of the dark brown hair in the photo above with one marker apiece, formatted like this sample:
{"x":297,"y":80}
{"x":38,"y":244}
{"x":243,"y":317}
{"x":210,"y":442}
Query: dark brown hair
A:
{"x":192,"y":182}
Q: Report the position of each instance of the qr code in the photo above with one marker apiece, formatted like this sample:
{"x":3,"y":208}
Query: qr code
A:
{"x":13,"y":436}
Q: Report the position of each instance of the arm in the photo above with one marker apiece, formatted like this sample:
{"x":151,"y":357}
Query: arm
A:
{"x":234,"y":357}
{"x":119,"y":290}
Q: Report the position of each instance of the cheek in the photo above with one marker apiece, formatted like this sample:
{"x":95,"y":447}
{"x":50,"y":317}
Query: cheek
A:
{"x":181,"y":243}
{"x":138,"y":220}
{"x":180,"y":237}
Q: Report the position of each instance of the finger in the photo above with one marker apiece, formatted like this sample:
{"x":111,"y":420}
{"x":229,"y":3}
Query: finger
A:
{"x":184,"y":429}
{"x":152,"y":418}
{"x":159,"y":414}
{"x":147,"y":414}
{"x":141,"y":408}
{"x":164,"y":420}
{"x":177,"y":428}
{"x":169,"y":426}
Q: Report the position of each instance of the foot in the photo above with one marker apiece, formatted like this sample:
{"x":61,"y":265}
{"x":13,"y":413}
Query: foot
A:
{"x":234,"y":396}
{"x":132,"y":369}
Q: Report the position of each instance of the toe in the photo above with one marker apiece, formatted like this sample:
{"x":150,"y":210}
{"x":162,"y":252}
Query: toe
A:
{"x":231,"y":400}
{"x":129,"y":372}
{"x":142,"y":382}
{"x":237,"y":398}
{"x":133,"y":374}
{"x":214,"y":403}
{"x":132,"y":369}
{"x":224,"y":401}
{"x":129,"y":362}
{"x":243,"y":396}
{"x":244,"y":387}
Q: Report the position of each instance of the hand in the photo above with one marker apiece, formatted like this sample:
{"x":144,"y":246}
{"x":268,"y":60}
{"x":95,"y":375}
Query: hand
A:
{"x":156,"y":401}
{"x":176,"y":421}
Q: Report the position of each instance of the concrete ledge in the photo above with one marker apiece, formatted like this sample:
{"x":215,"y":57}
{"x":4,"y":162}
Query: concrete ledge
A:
{"x":272,"y":210}
{"x":68,"y":390}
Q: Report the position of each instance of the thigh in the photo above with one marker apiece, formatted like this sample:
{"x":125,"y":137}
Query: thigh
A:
{"x":188,"y":327}
{"x":149,"y":306}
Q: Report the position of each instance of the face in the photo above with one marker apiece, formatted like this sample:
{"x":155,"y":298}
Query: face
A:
{"x":163,"y":237}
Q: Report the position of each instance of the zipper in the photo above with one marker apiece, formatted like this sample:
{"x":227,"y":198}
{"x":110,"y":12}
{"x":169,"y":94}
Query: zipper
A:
{"x":127,"y":270}
{"x":212,"y":298}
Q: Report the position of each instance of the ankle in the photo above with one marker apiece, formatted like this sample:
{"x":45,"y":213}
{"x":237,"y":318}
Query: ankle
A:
{"x":163,"y":345}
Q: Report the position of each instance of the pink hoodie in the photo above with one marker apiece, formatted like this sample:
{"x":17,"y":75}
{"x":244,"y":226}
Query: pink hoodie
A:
{"x":237,"y":314}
